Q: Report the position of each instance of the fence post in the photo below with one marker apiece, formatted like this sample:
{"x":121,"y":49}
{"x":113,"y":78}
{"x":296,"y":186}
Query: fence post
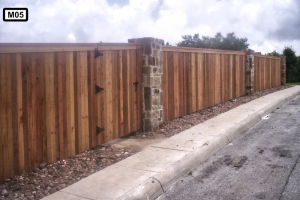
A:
{"x":283,"y":69}
{"x":249,"y":71}
{"x":152,"y":72}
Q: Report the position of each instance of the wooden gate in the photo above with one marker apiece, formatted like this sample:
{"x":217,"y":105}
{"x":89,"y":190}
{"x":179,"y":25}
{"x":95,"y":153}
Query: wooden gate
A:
{"x":116,"y":88}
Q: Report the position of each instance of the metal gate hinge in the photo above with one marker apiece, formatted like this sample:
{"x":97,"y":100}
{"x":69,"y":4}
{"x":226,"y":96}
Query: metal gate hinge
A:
{"x":99,"y":130}
{"x":97,"y":53}
{"x":98,"y":89}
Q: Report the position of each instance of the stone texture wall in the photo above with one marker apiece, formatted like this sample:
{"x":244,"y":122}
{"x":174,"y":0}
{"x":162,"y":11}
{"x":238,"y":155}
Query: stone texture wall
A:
{"x":152,"y":71}
{"x":249,"y":71}
{"x":283,"y":69}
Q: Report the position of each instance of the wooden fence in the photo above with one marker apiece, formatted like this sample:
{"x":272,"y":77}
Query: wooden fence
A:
{"x":57,"y":100}
{"x":195,"y":79}
{"x":267,"y":72}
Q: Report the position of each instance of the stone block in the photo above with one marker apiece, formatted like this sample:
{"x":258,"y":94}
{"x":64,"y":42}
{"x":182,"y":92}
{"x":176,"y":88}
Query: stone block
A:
{"x":155,"y":114}
{"x":146,"y":70}
{"x":147,"y":49}
{"x":147,"y":98}
{"x":155,"y":101}
{"x":156,"y":81}
{"x":148,"y":125}
{"x":146,"y":81}
{"x":151,"y":60}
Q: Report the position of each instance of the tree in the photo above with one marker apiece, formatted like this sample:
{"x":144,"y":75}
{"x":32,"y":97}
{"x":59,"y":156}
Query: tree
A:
{"x":273,"y":53}
{"x":230,"y":42}
{"x":292,"y":65}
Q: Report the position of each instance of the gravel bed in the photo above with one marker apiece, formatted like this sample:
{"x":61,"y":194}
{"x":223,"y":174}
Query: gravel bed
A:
{"x":47,"y":179}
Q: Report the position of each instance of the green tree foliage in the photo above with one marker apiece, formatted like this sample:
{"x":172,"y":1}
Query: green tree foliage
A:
{"x":273,"y":53}
{"x":230,"y":42}
{"x":292,"y":65}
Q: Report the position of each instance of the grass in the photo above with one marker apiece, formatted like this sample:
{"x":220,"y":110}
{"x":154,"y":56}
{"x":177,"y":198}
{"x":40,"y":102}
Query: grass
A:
{"x":295,"y":83}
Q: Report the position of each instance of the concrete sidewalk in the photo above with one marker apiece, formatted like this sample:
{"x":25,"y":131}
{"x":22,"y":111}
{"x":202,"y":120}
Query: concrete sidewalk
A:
{"x":147,"y":174}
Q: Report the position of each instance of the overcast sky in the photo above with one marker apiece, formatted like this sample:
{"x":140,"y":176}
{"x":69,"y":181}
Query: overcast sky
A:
{"x":268,"y":24}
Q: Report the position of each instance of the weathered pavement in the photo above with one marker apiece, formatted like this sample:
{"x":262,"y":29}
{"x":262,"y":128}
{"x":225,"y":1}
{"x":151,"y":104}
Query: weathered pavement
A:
{"x":262,"y":163}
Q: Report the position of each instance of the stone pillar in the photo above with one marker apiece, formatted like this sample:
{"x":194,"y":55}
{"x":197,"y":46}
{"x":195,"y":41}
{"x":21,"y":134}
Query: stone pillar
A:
{"x":283,"y":69}
{"x":249,"y":71}
{"x":152,"y":71}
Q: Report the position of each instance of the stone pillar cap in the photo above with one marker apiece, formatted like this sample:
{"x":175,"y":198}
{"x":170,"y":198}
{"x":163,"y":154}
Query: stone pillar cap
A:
{"x":146,"y":40}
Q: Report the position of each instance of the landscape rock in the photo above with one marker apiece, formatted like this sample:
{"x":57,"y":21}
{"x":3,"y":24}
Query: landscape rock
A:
{"x":47,"y":179}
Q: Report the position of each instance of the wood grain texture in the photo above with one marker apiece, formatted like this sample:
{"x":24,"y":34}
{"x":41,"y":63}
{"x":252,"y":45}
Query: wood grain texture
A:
{"x":49,"y":109}
{"x":266,"y":72}
{"x":194,"y":80}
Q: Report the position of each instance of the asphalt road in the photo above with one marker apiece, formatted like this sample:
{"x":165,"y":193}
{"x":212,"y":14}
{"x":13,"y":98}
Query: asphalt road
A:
{"x":262,"y":163}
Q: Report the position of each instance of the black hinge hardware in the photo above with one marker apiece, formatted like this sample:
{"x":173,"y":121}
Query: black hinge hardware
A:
{"x":99,"y":130}
{"x":136,"y":84}
{"x":97,"y":53}
{"x":98,"y":89}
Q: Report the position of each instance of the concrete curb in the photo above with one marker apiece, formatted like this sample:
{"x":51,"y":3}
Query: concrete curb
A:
{"x":162,"y":181}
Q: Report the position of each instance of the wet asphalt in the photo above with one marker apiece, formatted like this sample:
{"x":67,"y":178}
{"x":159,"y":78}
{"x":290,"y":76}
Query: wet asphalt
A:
{"x":262,"y":163}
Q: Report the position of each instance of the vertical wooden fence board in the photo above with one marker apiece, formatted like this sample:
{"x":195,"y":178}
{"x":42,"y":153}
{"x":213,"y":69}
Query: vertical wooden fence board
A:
{"x":180,"y":86}
{"x":125,"y":69}
{"x":176,"y":85}
{"x":25,"y":59}
{"x":92,"y":67}
{"x":4,"y":124}
{"x":186,"y":59}
{"x":56,"y":104}
{"x":121,"y":90}
{"x":205,"y":79}
{"x":212,"y":78}
{"x":115,"y":98}
{"x":223,"y":78}
{"x":181,"y":83}
{"x":166,"y":87}
{"x":14,"y":114}
{"x":217,"y":79}
{"x":237,"y":76}
{"x":200,"y":81}
{"x":60,"y":105}
{"x":262,"y":65}
{"x":2,"y":115}
{"x":50,"y":107}
{"x":83,"y":117}
{"x":70,"y":102}
{"x":9,"y":141}
{"x":132,"y":55}
{"x":193,"y":83}
{"x":108,"y":97}
{"x":40,"y":121}
{"x":171,"y":85}
{"x":244,"y":74}
{"x":31,"y":110}
{"x":20,"y":115}
{"x":140,"y":85}
{"x":100,"y":97}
